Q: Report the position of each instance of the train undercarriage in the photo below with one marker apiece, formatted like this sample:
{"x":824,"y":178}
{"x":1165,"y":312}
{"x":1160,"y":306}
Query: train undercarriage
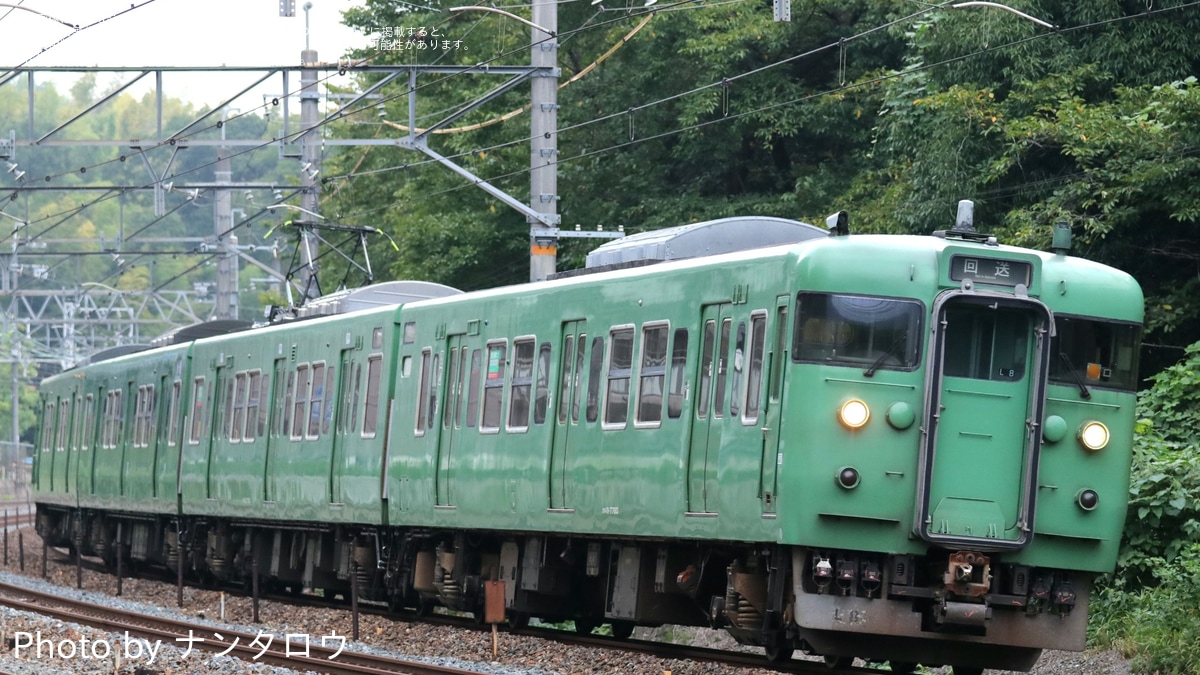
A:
{"x":967,"y":609}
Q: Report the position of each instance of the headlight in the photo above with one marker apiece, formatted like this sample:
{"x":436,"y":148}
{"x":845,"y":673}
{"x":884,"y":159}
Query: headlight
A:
{"x":854,"y":414}
{"x":1093,"y":435}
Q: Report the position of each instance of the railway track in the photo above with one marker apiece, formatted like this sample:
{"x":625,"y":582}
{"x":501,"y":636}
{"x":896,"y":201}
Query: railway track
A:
{"x":662,"y":650}
{"x":151,"y":630}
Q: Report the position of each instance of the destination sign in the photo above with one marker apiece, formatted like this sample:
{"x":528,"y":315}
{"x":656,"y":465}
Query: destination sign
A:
{"x":991,"y":271}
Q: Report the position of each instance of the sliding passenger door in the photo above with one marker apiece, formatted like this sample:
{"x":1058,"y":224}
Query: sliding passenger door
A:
{"x":709,"y":410}
{"x":570,"y":385}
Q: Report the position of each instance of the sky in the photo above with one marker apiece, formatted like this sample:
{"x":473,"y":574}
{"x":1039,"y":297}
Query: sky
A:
{"x":172,"y":33}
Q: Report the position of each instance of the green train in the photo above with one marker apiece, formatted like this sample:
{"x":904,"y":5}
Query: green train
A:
{"x":912,"y":449}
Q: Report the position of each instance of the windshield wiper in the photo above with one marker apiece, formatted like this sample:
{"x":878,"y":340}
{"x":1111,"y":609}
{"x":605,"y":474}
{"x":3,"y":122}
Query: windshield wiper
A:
{"x":870,"y":372}
{"x":1083,"y":389}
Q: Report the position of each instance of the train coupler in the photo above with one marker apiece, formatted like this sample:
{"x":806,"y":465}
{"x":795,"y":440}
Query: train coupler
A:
{"x":968,"y":574}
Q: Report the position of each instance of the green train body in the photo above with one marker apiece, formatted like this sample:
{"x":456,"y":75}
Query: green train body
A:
{"x":872,"y":446}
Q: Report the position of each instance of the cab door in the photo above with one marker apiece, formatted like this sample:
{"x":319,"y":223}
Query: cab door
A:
{"x":985,"y":398}
{"x":709,"y":411}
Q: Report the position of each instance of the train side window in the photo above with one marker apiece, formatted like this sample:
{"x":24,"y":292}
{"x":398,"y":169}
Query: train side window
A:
{"x":48,"y":420}
{"x":493,"y":387}
{"x":620,"y":373}
{"x":371,"y":400}
{"x":197,"y":426}
{"x":377,"y":337}
{"x":316,"y":401}
{"x":114,"y":418}
{"x":564,"y":383}
{"x":410,"y":333}
{"x":172,"y":413}
{"x":253,"y":384}
{"x":238,"y":419}
{"x":738,"y":365}
{"x":754,"y":369}
{"x":653,"y":373}
{"x":143,"y":420}
{"x":64,"y":423}
{"x":678,"y":380}
{"x":89,"y":421}
{"x":300,"y":402}
{"x":521,"y":385}
{"x":593,"y":397}
{"x":541,"y":401}
{"x":423,"y":387}
{"x":473,"y":388}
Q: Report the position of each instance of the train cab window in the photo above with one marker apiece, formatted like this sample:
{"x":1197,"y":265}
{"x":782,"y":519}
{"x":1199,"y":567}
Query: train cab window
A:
{"x":593,"y":396}
{"x":620,"y":372}
{"x":754,"y":369}
{"x":857,"y":331}
{"x":983,"y":343}
{"x":300,"y":402}
{"x":172,"y":413}
{"x":678,"y":381}
{"x":197,"y":426}
{"x":493,"y":387}
{"x":473,"y":388}
{"x":1098,"y":353}
{"x":521,"y":385}
{"x":653,"y":374}
{"x":541,"y":400}
{"x":371,"y":400}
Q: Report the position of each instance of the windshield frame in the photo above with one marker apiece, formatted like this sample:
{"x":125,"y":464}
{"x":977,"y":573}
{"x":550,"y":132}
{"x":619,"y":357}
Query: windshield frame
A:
{"x":1058,"y":374}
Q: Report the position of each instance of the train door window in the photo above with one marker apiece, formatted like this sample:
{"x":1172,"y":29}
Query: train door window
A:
{"x":48,"y":427}
{"x":371,"y":400}
{"x":285,"y":414}
{"x":986,"y":344}
{"x":227,"y":405}
{"x":593,"y":397}
{"x":423,"y":388}
{"x":264,"y":409}
{"x":330,"y":401}
{"x":355,"y":384}
{"x":678,"y":379}
{"x":64,"y":423}
{"x":253,"y":384}
{"x":781,"y":325}
{"x":493,"y":387}
{"x":452,"y":389}
{"x":737,"y":365}
{"x":541,"y":399}
{"x":89,"y":421}
{"x":620,"y":372}
{"x":197,"y":426}
{"x":722,"y":367}
{"x":77,"y":429}
{"x":237,"y":421}
{"x":564,"y":384}
{"x":300,"y":402}
{"x":707,"y":349}
{"x":173,"y":414}
{"x":521,"y":385}
{"x":473,"y":388}
{"x":754,"y":369}
{"x":580,"y":353}
{"x":653,"y":374}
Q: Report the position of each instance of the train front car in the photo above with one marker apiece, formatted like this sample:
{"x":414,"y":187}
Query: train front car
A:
{"x":955,"y":449}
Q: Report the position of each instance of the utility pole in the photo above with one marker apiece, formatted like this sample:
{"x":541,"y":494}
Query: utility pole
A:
{"x":227,"y":272}
{"x":543,"y":148}
{"x":310,"y":161}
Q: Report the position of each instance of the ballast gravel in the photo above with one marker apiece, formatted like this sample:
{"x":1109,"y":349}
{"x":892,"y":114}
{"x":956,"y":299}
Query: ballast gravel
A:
{"x":72,"y":649}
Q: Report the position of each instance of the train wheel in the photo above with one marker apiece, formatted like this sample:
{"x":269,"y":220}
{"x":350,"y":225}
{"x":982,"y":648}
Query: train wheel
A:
{"x":622,"y":629}
{"x":903,"y":667}
{"x":584,"y":626}
{"x":779,"y":653}
{"x":838,"y":662}
{"x":518,"y":620}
